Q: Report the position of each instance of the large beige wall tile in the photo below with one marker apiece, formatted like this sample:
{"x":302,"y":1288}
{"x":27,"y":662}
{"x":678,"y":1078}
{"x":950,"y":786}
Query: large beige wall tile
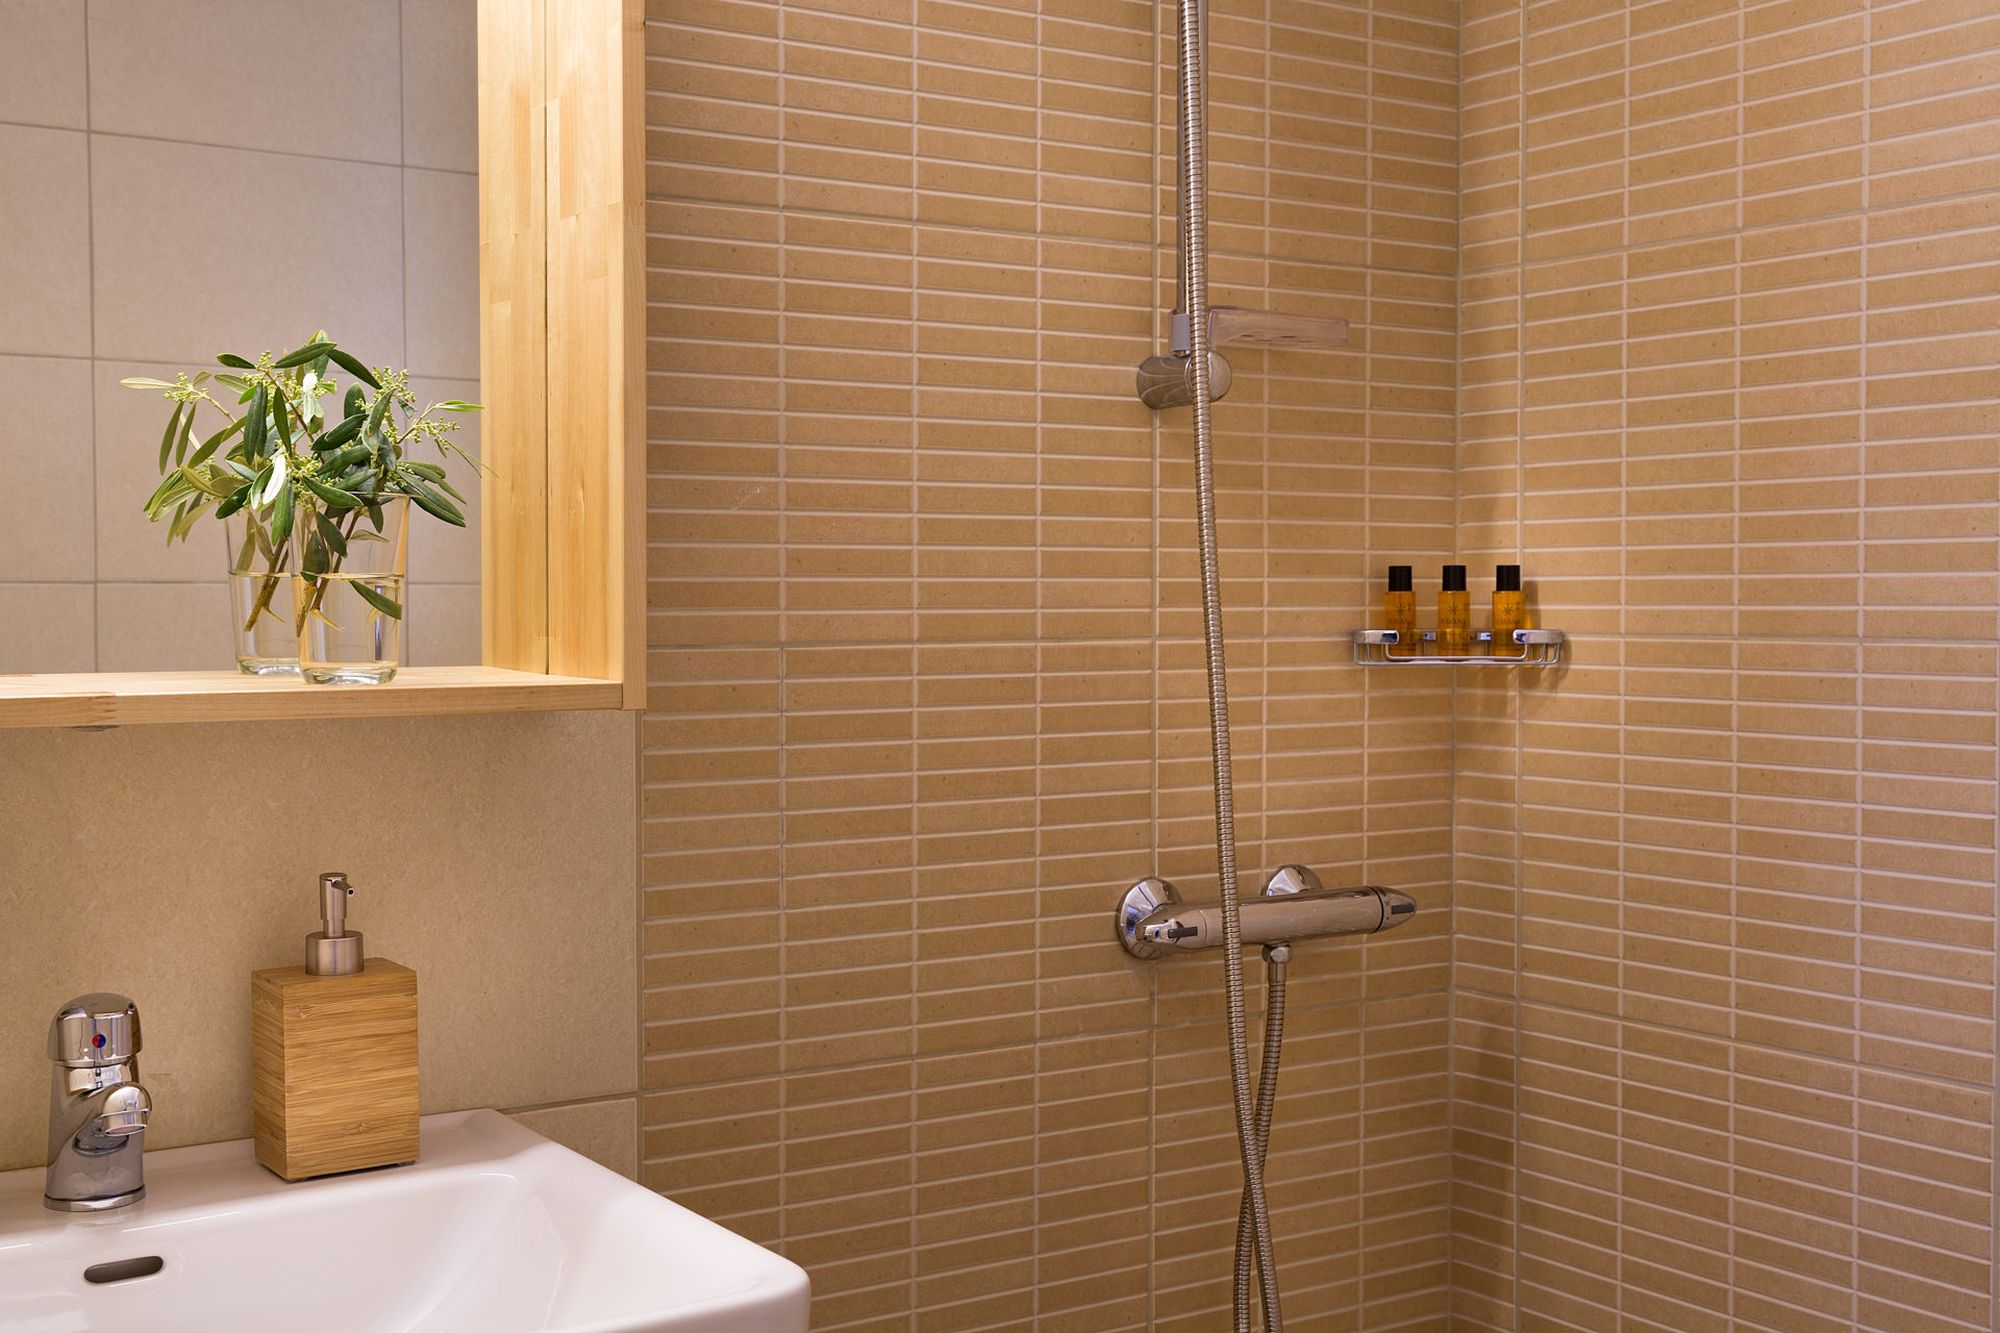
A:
{"x":164,"y":626}
{"x":46,"y":527}
{"x":606,"y":1132}
{"x":48,"y":627}
{"x":441,"y":279}
{"x":45,"y":261}
{"x":201,"y":250}
{"x":495,"y":855}
{"x":441,"y":84}
{"x":42,"y":64}
{"x":281,"y":75}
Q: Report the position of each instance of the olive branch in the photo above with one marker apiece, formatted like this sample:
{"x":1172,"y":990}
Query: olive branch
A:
{"x":307,"y":480}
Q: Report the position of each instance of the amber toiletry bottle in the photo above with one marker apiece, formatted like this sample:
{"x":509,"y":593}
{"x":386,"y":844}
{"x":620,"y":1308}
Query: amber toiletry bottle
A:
{"x":1507,"y":610}
{"x":1454,"y":614}
{"x":1399,"y":612}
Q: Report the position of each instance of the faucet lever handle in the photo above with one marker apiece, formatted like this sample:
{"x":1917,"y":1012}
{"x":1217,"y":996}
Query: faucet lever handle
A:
{"x":95,"y":1029}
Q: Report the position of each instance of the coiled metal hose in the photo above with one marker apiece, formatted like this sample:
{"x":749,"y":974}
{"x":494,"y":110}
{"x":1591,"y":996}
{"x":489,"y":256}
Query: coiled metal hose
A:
{"x":1275,"y":958}
{"x":1194,"y":266}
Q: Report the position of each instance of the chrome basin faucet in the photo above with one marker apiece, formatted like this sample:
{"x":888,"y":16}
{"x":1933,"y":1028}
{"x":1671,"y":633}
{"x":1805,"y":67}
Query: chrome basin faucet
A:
{"x":97,"y":1110}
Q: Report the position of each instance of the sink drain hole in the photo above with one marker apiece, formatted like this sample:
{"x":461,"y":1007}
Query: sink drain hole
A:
{"x":123,"y":1270}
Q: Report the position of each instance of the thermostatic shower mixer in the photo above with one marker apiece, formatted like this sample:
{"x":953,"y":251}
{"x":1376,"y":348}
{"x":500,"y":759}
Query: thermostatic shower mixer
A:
{"x":1153,"y":921}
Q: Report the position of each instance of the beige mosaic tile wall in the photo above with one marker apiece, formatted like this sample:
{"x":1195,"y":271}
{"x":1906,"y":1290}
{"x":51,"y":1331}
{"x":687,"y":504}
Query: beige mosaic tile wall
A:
{"x":926,"y":677}
{"x":1725,"y":964}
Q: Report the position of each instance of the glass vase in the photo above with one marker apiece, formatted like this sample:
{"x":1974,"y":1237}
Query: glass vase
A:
{"x":260,"y":578}
{"x":347,"y":596}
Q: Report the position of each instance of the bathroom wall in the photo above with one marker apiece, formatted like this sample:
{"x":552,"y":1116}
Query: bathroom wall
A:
{"x":180,"y":179}
{"x":494,"y":855}
{"x":922,"y":566}
{"x":1725,"y":941}
{"x":189,"y":179}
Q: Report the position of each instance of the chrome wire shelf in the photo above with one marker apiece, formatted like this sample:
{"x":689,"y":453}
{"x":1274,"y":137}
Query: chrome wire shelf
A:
{"x":1537,"y":648}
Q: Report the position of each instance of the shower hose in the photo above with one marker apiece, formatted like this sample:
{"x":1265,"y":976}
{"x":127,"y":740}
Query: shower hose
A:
{"x":1253,"y":1123}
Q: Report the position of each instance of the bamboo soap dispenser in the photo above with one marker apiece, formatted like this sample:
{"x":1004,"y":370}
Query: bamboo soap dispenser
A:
{"x":334,"y":1050}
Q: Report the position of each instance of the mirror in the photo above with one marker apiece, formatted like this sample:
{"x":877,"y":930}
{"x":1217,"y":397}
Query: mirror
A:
{"x":178,"y":181}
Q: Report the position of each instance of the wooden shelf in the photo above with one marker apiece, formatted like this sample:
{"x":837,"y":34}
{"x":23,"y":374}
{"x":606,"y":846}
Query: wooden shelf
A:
{"x":118,"y":699}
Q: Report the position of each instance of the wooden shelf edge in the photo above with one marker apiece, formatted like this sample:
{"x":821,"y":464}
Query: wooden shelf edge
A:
{"x":118,"y":699}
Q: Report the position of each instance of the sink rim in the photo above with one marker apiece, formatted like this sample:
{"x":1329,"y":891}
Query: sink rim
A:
{"x":217,"y":1181}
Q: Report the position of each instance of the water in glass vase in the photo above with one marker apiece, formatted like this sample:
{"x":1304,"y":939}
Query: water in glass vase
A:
{"x":353,"y":628}
{"x":259,"y":574}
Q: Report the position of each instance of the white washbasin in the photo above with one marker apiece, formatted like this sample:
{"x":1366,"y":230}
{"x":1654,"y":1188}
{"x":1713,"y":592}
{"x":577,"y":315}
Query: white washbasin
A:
{"x":495,"y":1230}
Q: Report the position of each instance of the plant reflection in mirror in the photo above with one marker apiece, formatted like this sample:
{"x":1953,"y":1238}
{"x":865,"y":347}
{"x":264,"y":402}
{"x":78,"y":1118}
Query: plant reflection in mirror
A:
{"x":308,"y":480}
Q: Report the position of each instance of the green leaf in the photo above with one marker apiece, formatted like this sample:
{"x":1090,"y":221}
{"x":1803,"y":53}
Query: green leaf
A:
{"x":282,"y":414}
{"x":144,"y":382}
{"x":333,"y":496}
{"x":434,"y":504}
{"x":214,"y":442}
{"x":329,"y":532}
{"x":255,"y":427}
{"x":281,"y":515}
{"x":167,"y":440}
{"x":353,"y":367}
{"x":377,"y":412}
{"x":310,"y":352}
{"x":356,"y":402}
{"x":234,"y":362}
{"x":184,"y":519}
{"x":459,"y":405}
{"x":313,"y":563}
{"x":385,"y":605}
{"x":162,"y":493}
{"x":204,"y":483}
{"x":185,"y":436}
{"x":340,"y":434}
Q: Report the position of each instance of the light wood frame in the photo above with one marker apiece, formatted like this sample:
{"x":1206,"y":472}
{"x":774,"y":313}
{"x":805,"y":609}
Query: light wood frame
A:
{"x":562,"y":371}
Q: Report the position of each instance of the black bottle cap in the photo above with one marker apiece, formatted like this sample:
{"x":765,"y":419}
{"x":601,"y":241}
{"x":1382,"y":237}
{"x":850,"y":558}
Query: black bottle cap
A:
{"x":1454,"y":578}
{"x":1506,"y":578}
{"x":1400,"y":579}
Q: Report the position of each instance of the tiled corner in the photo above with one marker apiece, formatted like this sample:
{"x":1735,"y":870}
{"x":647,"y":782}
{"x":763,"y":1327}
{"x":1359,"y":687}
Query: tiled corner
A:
{"x":606,"y":1132}
{"x":48,"y":627}
{"x":42,"y":70}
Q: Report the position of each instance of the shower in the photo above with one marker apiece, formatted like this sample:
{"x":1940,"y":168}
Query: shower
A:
{"x":1152,"y":921}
